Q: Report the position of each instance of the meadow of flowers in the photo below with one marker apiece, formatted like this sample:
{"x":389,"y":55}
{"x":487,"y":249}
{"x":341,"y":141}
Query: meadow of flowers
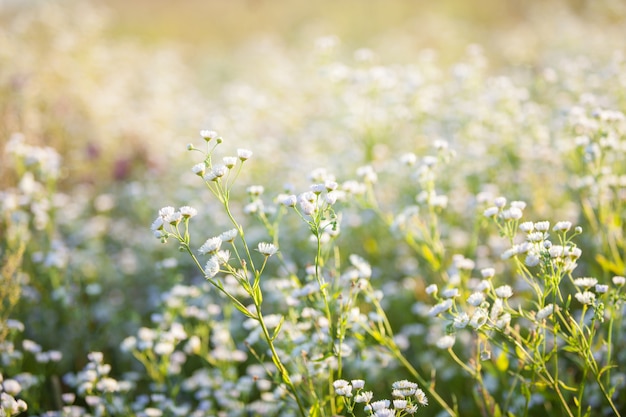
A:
{"x":335,"y":231}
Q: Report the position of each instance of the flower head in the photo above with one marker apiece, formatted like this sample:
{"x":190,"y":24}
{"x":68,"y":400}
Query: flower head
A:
{"x":267,"y":249}
{"x":210,"y":246}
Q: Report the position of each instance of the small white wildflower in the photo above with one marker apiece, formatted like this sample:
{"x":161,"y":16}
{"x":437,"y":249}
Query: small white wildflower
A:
{"x":210,"y":246}
{"x":476,"y":299}
{"x":562,"y":226}
{"x":542,"y":226}
{"x":208,"y":134}
{"x":461,"y":320}
{"x":212,"y":268}
{"x":446,"y":342}
{"x":488,"y":272}
{"x":357,"y":383}
{"x":431,"y":289}
{"x":503,"y":321}
{"x":244,"y":154}
{"x":188,"y":212}
{"x":229,"y":235}
{"x":479,"y":318}
{"x":199,"y":169}
{"x":450,"y":293}
{"x":288,"y":200}
{"x":491,"y":211}
{"x":331,"y":198}
{"x":585,"y":297}
{"x":532,"y":259}
{"x":255,"y":190}
{"x":223,"y":256}
{"x":219,"y":171}
{"x":521,"y":205}
{"x":545,"y":312}
{"x":11,"y":386}
{"x":421,"y":398}
{"x":440,"y":308}
{"x":330,"y":185}
{"x":535,"y":237}
{"x":166,"y":211}
{"x":408,"y":159}
{"x":512,"y":213}
{"x":601,"y":288}
{"x":267,"y":249}
{"x":157,"y":224}
{"x":504,"y":291}
{"x":379,"y":405}
{"x":483,"y":285}
{"x":399,"y":404}
{"x":364,"y":397}
{"x":585,"y":282}
{"x":367,"y":173}
{"x":527,"y":227}
{"x":509,"y":253}
{"x":619,"y":280}
{"x":173,"y":218}
{"x":229,"y":161}
{"x":499,"y":202}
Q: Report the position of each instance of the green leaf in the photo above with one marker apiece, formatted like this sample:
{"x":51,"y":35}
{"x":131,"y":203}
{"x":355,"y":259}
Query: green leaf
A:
{"x":277,"y":329}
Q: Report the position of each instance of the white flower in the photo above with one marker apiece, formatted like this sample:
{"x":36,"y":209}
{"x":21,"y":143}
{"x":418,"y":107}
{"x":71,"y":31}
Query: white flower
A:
{"x":461,"y":320}
{"x":526,"y":227}
{"x":521,"y":205}
{"x":212,"y":268}
{"x":532,"y":260}
{"x":255,"y":190}
{"x":211,"y":245}
{"x":491,"y":211}
{"x":364,"y":397}
{"x":562,"y":226}
{"x":504,"y":291}
{"x":408,"y":159}
{"x":545,"y":312}
{"x":479,"y":318}
{"x":199,"y":169}
{"x":229,"y":235}
{"x":357,"y":383}
{"x":619,"y":281}
{"x":512,"y":213}
{"x":167,"y":211}
{"x":244,"y":154}
{"x":487,"y":272}
{"x":267,"y":249}
{"x":601,"y":289}
{"x":446,"y":342}
{"x":157,"y":224}
{"x":229,"y":161}
{"x":223,"y":256}
{"x":431,"y":289}
{"x":288,"y":200}
{"x":503,"y":321}
{"x":399,"y":404}
{"x":542,"y":226}
{"x":585,"y":297}
{"x":585,"y":282}
{"x":450,"y":293}
{"x":440,"y":308}
{"x":188,"y":212}
{"x":476,"y":299}
{"x":208,"y":134}
{"x":500,"y":202}
{"x":421,"y":398}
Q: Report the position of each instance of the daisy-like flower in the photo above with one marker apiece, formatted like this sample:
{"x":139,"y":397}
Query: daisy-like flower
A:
{"x":364,"y":397}
{"x":223,"y":256}
{"x":288,"y":200}
{"x":476,"y":299}
{"x":619,"y":281}
{"x":342,"y":388}
{"x":545,"y":312}
{"x":491,"y":211}
{"x":601,"y":288}
{"x":255,"y":190}
{"x":403,"y":388}
{"x":440,"y":307}
{"x":585,"y":282}
{"x":199,"y":169}
{"x":450,"y":293}
{"x":487,"y":272}
{"x":446,"y":342}
{"x":208,"y":135}
{"x":431,"y":289}
{"x":399,"y":404}
{"x":408,"y":159}
{"x":421,"y":398}
{"x":504,"y":291}
{"x":157,"y":224}
{"x":211,"y":245}
{"x":527,"y":227}
{"x":542,"y":226}
{"x":229,"y":235}
{"x":562,"y":226}
{"x":267,"y":249}
{"x":166,"y":211}
{"x":230,"y":161}
{"x":188,"y":212}
{"x":461,"y":320}
{"x":585,"y":297}
{"x":479,"y":318}
{"x":532,"y":259}
{"x":244,"y":154}
{"x":499,"y":202}
{"x":173,"y":218}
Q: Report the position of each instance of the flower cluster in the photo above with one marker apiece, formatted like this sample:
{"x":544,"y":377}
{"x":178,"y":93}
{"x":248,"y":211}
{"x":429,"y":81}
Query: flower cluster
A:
{"x":407,"y":397}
